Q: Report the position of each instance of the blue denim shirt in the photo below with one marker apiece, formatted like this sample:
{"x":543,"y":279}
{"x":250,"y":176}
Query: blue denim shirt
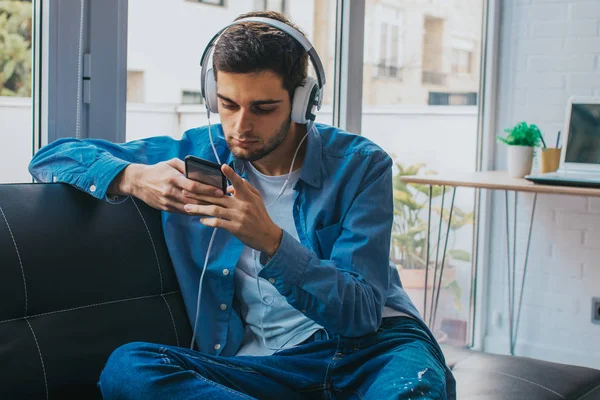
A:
{"x":339,"y":272}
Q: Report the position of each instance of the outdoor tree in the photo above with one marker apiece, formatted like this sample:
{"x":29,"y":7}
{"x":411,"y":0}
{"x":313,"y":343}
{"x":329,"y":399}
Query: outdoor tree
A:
{"x":15,"y":48}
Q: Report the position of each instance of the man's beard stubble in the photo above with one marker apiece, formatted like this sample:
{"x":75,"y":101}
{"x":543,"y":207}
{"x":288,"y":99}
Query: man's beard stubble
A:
{"x":271,"y":144}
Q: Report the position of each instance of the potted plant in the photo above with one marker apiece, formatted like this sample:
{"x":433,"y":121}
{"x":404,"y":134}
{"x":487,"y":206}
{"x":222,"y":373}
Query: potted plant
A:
{"x":409,"y":231}
{"x":521,"y":140}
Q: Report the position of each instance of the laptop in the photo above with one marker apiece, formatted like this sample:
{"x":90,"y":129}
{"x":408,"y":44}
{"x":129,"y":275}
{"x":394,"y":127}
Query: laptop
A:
{"x":580,"y":157}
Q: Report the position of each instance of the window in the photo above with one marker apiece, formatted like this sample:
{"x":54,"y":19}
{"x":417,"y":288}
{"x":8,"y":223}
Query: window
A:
{"x":433,"y":51}
{"x":452,"y":99}
{"x":274,"y":5}
{"x":461,"y":61}
{"x":462,"y":56}
{"x":389,"y":57}
{"x":399,"y":116}
{"x":16,"y":135}
{"x":164,"y":64}
{"x":191,"y":97}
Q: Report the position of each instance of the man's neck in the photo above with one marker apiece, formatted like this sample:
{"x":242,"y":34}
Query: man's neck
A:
{"x":278,"y":161}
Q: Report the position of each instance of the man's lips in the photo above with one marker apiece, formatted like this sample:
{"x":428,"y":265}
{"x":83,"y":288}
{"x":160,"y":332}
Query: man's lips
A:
{"x":243,"y":143}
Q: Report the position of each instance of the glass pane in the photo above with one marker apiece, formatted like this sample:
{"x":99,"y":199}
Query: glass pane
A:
{"x":16,"y":133}
{"x":163,"y":86}
{"x":421,"y":77}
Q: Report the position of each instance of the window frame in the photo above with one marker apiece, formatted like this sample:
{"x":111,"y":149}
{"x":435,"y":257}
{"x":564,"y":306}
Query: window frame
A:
{"x":105,"y":38}
{"x":101,"y":67}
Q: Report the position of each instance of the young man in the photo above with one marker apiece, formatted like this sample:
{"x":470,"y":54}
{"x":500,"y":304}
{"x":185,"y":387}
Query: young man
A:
{"x":299,"y":300}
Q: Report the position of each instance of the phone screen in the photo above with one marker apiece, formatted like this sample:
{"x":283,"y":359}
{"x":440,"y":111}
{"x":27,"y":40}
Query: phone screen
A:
{"x":205,"y":172}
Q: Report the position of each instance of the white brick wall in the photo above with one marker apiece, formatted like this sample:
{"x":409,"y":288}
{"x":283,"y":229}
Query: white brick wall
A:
{"x":549,"y":50}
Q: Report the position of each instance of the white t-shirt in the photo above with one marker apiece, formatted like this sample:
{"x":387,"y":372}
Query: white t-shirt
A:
{"x":284,"y":326}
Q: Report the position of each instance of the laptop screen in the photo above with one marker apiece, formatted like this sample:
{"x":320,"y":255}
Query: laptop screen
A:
{"x":584,"y":134}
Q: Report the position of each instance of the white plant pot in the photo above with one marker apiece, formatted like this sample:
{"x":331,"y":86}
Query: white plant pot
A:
{"x":520,"y":160}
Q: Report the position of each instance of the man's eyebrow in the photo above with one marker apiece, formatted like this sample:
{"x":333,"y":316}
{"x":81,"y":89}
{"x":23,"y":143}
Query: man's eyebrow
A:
{"x":254,"y":103}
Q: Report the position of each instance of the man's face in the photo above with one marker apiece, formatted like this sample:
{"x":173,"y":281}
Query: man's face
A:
{"x":255,"y":112}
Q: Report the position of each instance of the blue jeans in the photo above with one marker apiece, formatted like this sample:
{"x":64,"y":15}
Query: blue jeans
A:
{"x":399,"y":361}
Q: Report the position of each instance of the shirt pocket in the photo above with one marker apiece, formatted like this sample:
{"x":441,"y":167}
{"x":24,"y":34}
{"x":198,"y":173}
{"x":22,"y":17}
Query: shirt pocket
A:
{"x":326,"y":237}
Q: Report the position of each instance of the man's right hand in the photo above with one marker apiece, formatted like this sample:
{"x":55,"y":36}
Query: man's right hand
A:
{"x":161,"y":185}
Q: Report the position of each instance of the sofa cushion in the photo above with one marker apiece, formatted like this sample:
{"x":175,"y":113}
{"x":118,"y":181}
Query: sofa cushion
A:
{"x":485,"y":376}
{"x":79,"y":277}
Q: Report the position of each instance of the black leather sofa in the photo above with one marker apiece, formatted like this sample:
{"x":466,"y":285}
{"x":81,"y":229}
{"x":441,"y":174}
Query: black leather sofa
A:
{"x":79,"y":277}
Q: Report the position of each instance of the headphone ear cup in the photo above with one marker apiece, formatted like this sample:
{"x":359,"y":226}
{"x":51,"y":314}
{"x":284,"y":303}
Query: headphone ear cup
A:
{"x":210,"y":92}
{"x":304,"y":101}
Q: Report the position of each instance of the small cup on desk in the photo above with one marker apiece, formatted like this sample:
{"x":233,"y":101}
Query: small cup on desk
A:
{"x":550,"y":159}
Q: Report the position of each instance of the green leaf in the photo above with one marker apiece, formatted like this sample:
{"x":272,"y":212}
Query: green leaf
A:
{"x":460,"y":255}
{"x":522,"y":135}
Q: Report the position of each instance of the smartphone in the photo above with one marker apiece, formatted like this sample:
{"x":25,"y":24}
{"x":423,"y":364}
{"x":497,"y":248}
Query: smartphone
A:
{"x":205,"y":171}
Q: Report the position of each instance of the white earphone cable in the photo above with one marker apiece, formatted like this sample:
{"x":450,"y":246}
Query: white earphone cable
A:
{"x":209,"y":247}
{"x":263,"y":301}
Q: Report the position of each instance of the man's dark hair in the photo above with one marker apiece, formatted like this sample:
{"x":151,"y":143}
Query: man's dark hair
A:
{"x":254,"y":47}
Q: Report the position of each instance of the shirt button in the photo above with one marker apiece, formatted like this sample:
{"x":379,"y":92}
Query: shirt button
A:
{"x":223,"y":307}
{"x":93,"y":188}
{"x":272,"y":280}
{"x":303,"y":311}
{"x":217,"y":346}
{"x":225,"y":272}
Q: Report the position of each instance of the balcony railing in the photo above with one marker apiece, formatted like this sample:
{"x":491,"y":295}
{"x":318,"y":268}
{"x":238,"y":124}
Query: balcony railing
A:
{"x":390,"y":71}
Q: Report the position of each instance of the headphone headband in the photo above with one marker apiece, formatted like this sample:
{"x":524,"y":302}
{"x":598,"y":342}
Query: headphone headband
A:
{"x":297,"y":35}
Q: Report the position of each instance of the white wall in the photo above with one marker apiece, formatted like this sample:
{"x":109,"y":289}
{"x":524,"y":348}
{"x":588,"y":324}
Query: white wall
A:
{"x":166,"y":40}
{"x":16,"y":139}
{"x":549,"y":50}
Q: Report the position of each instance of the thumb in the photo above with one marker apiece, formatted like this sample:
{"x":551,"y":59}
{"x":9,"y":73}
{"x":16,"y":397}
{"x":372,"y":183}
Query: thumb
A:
{"x":177,"y":164}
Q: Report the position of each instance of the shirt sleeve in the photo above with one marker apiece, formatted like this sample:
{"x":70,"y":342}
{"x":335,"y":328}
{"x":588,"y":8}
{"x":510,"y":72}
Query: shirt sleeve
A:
{"x":347,"y":292}
{"x":92,"y":164}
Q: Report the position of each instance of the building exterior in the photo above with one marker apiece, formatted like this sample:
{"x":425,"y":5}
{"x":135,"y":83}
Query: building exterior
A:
{"x":416,"y":52}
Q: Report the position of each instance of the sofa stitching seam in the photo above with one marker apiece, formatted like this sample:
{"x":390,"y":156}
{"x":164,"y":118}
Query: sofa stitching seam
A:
{"x":18,"y":255}
{"x":152,"y":242}
{"x":159,"y":269}
{"x":586,"y":394}
{"x":90,"y":305}
{"x":524,"y":380}
{"x":40,"y":353}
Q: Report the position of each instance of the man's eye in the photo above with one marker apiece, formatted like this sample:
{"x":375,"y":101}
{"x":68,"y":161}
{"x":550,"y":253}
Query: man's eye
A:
{"x":264,"y":110}
{"x":228,"y":106}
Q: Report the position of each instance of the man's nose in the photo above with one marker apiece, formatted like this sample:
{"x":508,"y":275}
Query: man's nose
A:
{"x":243,"y":122}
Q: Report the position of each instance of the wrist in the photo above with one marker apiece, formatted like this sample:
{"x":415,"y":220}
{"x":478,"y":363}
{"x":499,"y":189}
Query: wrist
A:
{"x":274,"y":245}
{"x":124,"y":183}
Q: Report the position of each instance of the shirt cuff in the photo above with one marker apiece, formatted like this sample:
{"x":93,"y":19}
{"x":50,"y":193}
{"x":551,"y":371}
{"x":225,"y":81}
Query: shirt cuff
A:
{"x":101,"y":174}
{"x":288,"y":265}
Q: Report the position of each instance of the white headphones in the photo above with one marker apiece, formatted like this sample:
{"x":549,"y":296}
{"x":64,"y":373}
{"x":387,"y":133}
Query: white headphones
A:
{"x":306,"y":97}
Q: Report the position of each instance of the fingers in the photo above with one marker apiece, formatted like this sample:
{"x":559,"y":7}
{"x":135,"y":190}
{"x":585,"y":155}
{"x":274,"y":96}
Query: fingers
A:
{"x":237,"y":181}
{"x":190,"y":185}
{"x":176,"y":203}
{"x":240,"y":185}
{"x":219,"y":223}
{"x":210,"y":210}
{"x":177,"y":164}
{"x":222,"y":201}
{"x":199,"y":188}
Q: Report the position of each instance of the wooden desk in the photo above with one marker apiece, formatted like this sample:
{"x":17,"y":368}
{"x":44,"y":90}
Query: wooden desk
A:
{"x":494,"y":180}
{"x":498,"y":180}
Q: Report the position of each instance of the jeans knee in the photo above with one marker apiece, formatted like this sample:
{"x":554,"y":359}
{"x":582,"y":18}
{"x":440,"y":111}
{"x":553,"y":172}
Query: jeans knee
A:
{"x":124,"y":372}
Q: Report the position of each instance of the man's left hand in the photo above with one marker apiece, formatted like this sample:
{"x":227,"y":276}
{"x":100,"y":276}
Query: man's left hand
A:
{"x":243,"y":214}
